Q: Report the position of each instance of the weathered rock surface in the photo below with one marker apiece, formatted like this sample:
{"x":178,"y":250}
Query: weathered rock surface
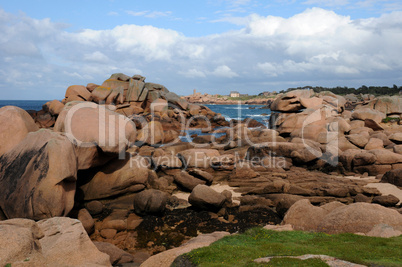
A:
{"x":95,"y":130}
{"x":396,"y":138}
{"x":40,"y":175}
{"x":54,"y":107}
{"x":386,"y":200}
{"x":150,"y":202}
{"x":65,"y":243}
{"x":77,"y":91}
{"x":360,"y":218}
{"x":205,"y":198}
{"x":19,"y":240}
{"x":393,"y":177}
{"x":116,"y":178}
{"x":51,"y":242}
{"x":368,"y":113}
{"x":353,"y":218}
{"x":301,"y":210}
{"x":290,"y":102}
{"x":152,"y":133}
{"x":187,"y":181}
{"x":16,"y":123}
{"x":387,"y":105}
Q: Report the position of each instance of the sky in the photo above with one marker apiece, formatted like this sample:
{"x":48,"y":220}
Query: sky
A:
{"x":212,"y":46}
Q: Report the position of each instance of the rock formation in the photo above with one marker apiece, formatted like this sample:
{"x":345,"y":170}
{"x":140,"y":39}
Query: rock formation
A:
{"x":112,"y":156}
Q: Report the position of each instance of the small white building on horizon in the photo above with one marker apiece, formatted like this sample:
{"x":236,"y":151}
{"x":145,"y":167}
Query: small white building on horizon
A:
{"x":234,"y":94}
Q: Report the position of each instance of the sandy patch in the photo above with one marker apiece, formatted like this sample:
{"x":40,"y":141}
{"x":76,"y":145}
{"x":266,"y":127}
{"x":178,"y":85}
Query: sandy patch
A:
{"x":387,"y":189}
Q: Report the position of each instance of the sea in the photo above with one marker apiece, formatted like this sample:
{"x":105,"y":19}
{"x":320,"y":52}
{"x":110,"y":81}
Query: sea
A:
{"x":239,"y":112}
{"x":24,"y":104}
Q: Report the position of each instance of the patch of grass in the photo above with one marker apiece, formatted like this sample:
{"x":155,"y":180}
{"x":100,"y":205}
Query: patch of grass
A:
{"x":390,"y":119}
{"x":242,"y":249}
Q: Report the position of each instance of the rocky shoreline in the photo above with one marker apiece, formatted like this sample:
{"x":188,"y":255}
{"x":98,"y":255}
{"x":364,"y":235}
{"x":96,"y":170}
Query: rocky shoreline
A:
{"x":199,"y":98}
{"x":108,"y":161}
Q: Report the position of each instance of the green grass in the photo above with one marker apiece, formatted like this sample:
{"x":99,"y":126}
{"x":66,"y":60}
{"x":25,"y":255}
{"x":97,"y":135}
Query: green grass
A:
{"x":242,"y":249}
{"x":390,"y":119}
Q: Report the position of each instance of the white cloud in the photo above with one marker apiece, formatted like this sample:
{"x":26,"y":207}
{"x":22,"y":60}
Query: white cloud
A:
{"x":149,"y":14}
{"x":330,"y":3}
{"x":96,"y":57}
{"x":311,"y":22}
{"x":39,"y":59}
{"x":193,"y":73}
{"x":224,"y":71}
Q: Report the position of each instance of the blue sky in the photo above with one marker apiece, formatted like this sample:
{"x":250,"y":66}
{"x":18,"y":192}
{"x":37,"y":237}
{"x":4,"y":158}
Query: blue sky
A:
{"x":212,"y":46}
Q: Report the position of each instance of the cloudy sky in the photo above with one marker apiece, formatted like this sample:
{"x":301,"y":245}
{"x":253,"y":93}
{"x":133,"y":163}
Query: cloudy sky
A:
{"x":214,"y":46}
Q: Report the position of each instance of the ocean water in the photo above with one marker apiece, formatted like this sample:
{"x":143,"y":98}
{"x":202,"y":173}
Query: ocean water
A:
{"x":228,"y":111}
{"x":241,"y":112}
{"x":238,"y":112}
{"x":24,"y":104}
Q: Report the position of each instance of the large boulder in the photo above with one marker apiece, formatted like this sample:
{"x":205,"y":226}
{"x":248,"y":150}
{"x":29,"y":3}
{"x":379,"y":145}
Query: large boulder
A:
{"x":374,"y":143}
{"x":337,"y":102}
{"x":359,"y":140}
{"x":290,"y":102}
{"x":368,"y":113}
{"x":359,"y":218}
{"x":65,"y":243}
{"x":205,"y":198}
{"x":396,"y":138}
{"x":40,"y":175}
{"x":95,"y":130}
{"x":150,"y":201}
{"x":387,"y":105}
{"x":116,"y":178}
{"x":79,"y":91}
{"x":100,"y":94}
{"x":19,"y":240}
{"x":336,"y":218}
{"x":15,"y":123}
{"x":118,"y":88}
{"x":54,"y":107}
{"x":303,"y":216}
{"x":393,"y":177}
{"x":136,"y":90}
{"x":307,"y":124}
{"x":187,"y":181}
{"x":174,"y":99}
{"x":51,"y":242}
{"x":313,"y":102}
{"x":386,"y":157}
